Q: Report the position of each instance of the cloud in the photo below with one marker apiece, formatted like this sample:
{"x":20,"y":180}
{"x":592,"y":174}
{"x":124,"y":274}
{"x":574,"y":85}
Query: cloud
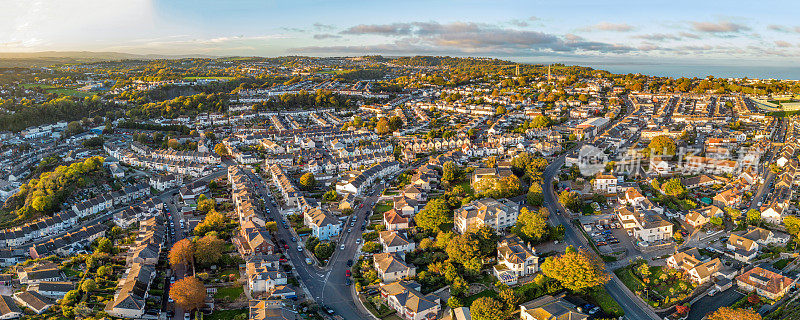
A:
{"x":688,"y":35}
{"x":608,"y":26}
{"x":783,"y":44}
{"x":658,"y":36}
{"x":323,"y":27}
{"x":395,"y":29}
{"x":786,"y":29}
{"x":718,"y":27}
{"x":326,"y":36}
{"x":293,"y":29}
{"x":466,"y":38}
{"x":519,"y":23}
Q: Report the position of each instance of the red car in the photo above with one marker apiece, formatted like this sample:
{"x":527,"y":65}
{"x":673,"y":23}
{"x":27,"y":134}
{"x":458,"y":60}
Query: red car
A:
{"x":361,"y":206}
{"x":282,"y":260}
{"x":347,"y":273}
{"x":286,"y":246}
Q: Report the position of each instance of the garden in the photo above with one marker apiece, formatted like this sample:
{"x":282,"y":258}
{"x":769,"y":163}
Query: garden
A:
{"x":658,"y":286}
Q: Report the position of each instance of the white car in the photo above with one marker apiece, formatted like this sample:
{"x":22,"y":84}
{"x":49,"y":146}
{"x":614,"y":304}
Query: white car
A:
{"x":299,"y":249}
{"x":341,"y":247}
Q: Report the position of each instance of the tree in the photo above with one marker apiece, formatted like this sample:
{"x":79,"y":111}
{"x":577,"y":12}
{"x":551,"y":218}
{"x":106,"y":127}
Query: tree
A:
{"x":383,"y":126}
{"x":208,"y":249}
{"x":307,"y":181}
{"x":673,"y":187}
{"x":682,"y":309}
{"x":271,"y":226}
{"x":575,"y":270}
{"x":221,"y":150}
{"x":716,"y":221}
{"x":182,"y":253}
{"x":532,"y":224}
{"x":213,"y":221}
{"x":570,"y":200}
{"x":173,"y":143}
{"x":535,"y":197}
{"x":371,"y":247}
{"x":500,"y":110}
{"x":792,"y":224}
{"x":753,"y":216}
{"x":434,"y":215}
{"x":204,"y":205}
{"x":726,"y":313}
{"x":662,"y":145}
{"x":88,"y":285}
{"x":189,"y":293}
{"x":449,"y":171}
{"x":487,"y":308}
{"x":105,"y":271}
{"x":330,"y":196}
{"x":324,"y":250}
{"x":104,"y":245}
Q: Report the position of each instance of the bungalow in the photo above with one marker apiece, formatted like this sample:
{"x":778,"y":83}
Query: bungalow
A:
{"x":765,"y":283}
{"x":9,"y":309}
{"x":34,"y":301}
{"x":698,"y":217}
{"x":697,"y":270}
{"x":52,"y":289}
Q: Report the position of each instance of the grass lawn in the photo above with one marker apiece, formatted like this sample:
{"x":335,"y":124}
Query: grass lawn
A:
{"x":780,"y":264}
{"x":225,"y":314}
{"x":231,"y":292}
{"x":466,"y":185}
{"x":381,"y":208}
{"x":485,"y":293}
{"x":629,"y":279}
{"x":36,"y":85}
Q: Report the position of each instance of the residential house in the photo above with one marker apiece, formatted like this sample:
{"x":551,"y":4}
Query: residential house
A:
{"x":395,"y":242}
{"x":405,"y":298}
{"x":515,"y":260}
{"x":324,"y":225}
{"x":9,"y":309}
{"x":605,"y":183}
{"x":765,"y":283}
{"x":743,"y":249}
{"x":34,"y":301}
{"x":548,"y":307}
{"x":391,"y":267}
{"x":495,"y":214}
{"x":698,"y":217}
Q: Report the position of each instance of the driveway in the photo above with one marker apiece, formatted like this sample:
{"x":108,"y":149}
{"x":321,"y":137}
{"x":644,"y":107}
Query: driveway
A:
{"x":709,"y":304}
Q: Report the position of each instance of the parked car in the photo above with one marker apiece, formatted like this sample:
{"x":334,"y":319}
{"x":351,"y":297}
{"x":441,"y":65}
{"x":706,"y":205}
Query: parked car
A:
{"x":350,"y":263}
{"x":300,"y":248}
{"x":341,"y":247}
{"x":347,"y":273}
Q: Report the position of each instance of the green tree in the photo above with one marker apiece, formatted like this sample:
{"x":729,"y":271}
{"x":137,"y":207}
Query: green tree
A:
{"x":371,"y":247}
{"x":449,"y":171}
{"x":753,"y":216}
{"x":324,"y":250}
{"x":500,"y":110}
{"x":105,"y":271}
{"x":570,"y":200}
{"x":488,"y":308}
{"x":104,"y":245}
{"x":673,"y":187}
{"x":792,"y":224}
{"x":208,"y":249}
{"x":221,"y":150}
{"x":575,"y":270}
{"x":88,"y":285}
{"x":435,"y":214}
{"x":662,"y":145}
{"x":535,"y":197}
{"x":308,"y":181}
{"x":532,"y":224}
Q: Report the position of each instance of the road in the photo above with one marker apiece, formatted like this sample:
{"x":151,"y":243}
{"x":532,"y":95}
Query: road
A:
{"x":326,"y":285}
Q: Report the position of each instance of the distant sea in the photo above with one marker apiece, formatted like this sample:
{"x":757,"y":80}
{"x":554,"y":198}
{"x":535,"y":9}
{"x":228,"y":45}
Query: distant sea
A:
{"x":677,"y":69}
{"x":701,"y":71}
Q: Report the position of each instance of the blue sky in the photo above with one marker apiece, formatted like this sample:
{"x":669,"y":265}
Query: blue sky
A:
{"x":719,"y":32}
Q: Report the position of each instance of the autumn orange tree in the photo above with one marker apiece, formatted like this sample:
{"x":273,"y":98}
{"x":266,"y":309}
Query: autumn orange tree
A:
{"x":725,"y":313}
{"x":575,"y":270}
{"x":488,"y":308}
{"x":188,"y":293}
{"x":182,"y":253}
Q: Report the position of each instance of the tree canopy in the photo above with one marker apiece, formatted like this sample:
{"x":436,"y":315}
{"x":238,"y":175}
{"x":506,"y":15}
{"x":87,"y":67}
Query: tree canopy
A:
{"x":575,"y":270}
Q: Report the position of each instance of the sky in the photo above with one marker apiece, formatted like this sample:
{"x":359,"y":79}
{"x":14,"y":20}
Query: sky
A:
{"x":737,"y":33}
